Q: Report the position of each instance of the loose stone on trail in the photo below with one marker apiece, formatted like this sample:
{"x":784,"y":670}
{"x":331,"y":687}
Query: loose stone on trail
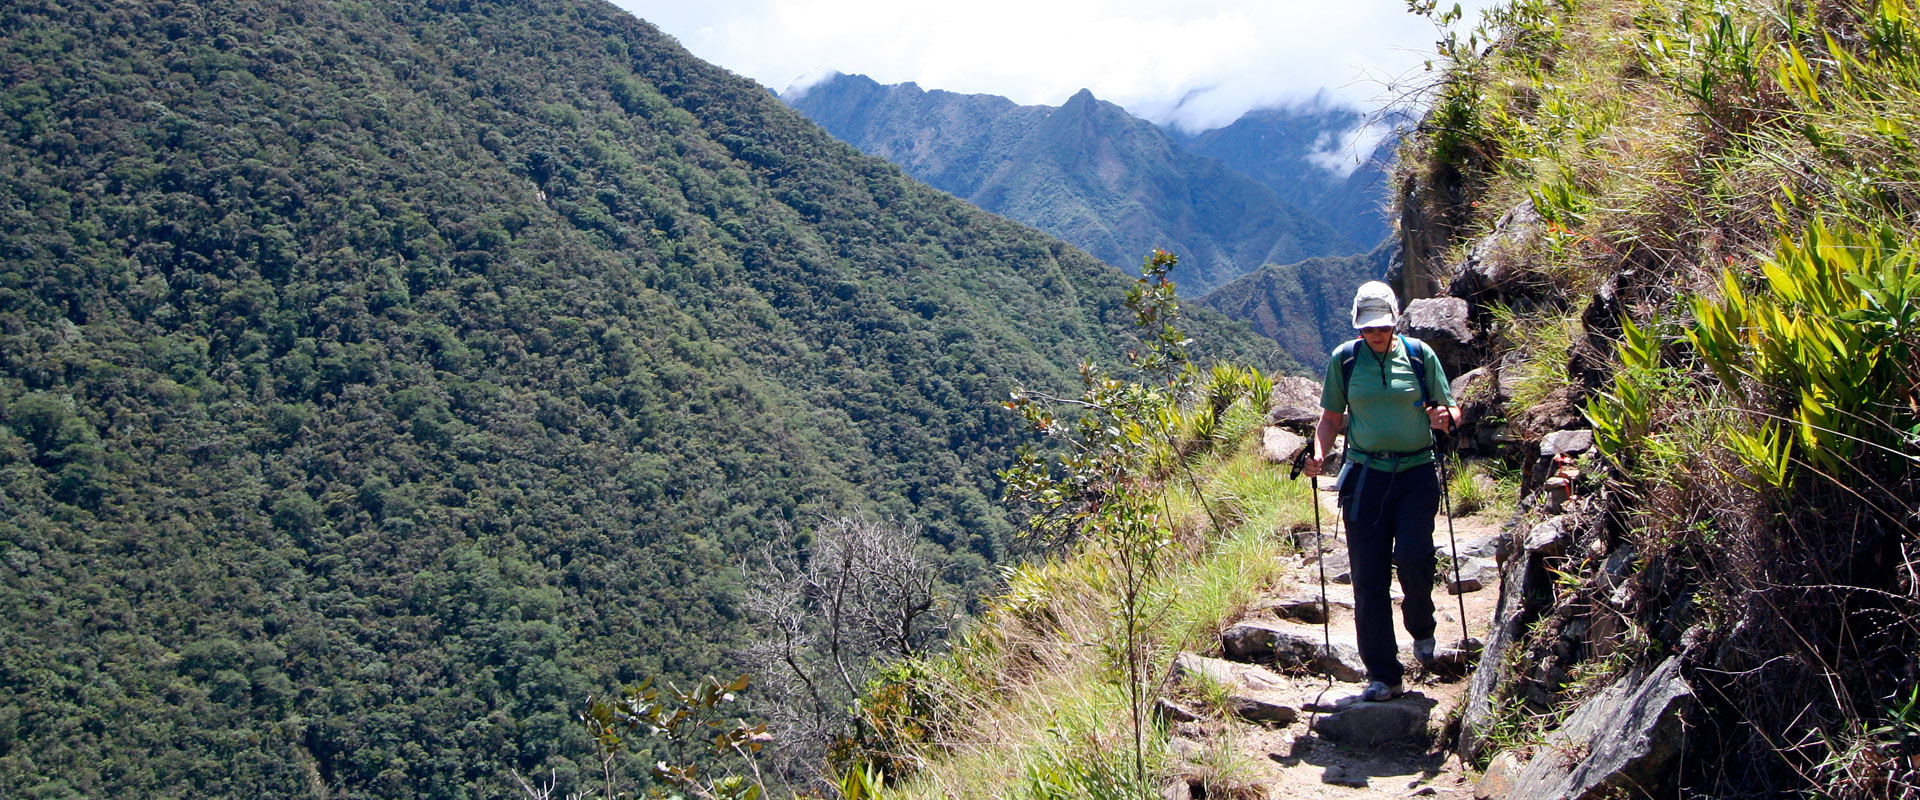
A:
{"x":1338,"y":775}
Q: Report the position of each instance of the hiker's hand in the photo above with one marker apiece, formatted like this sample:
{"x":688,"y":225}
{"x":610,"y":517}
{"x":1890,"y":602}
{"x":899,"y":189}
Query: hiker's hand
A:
{"x":1440,"y":417}
{"x":1311,"y":467}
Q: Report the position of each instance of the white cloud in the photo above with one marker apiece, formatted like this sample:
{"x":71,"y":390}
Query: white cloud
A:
{"x":1199,"y":63}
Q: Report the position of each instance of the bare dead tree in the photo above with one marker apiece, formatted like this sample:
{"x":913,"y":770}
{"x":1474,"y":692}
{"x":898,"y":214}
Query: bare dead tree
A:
{"x":827,"y":614}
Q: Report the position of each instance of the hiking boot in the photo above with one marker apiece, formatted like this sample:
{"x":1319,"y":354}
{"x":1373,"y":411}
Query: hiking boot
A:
{"x":1380,"y":692}
{"x":1423,"y":650}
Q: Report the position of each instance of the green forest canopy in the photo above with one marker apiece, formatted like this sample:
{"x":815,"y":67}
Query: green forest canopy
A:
{"x":379,"y":379}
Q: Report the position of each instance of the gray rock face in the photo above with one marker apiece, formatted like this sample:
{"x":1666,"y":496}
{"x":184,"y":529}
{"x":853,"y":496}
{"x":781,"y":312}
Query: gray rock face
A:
{"x":1442,"y":323}
{"x":1548,"y":538}
{"x":1519,"y":582}
{"x":1458,"y":653}
{"x":1338,"y":775}
{"x":1366,"y":724}
{"x":1482,"y":397}
{"x":1628,"y":738}
{"x":1476,"y":384}
{"x":1257,"y":707}
{"x":1173,"y":712}
{"x":1494,"y":264}
{"x":1485,"y":546}
{"x":1339,"y":567}
{"x":1191,"y":666}
{"x":1292,"y":647}
{"x":1497,"y":781}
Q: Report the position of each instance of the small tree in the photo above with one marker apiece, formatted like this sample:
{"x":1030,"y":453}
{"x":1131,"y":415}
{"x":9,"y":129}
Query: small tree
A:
{"x":1101,"y":489}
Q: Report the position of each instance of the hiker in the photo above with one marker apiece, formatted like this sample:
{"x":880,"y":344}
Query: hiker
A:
{"x":1389,"y":490}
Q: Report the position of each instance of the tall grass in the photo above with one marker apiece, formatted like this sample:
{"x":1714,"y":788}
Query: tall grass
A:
{"x":1031,"y":693}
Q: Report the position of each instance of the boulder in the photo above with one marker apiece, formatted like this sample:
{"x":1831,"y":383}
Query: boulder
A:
{"x":1300,"y":419}
{"x":1458,"y":654}
{"x":1442,"y":323}
{"x":1292,"y":647}
{"x":1476,"y":385}
{"x":1475,"y":573}
{"x":1262,"y":708}
{"x":1482,"y":398}
{"x":1570,"y":443}
{"x":1295,"y":391}
{"x":1364,"y":724}
{"x":1279,"y":445}
{"x":1627,"y":739}
{"x":1305,"y":606}
{"x":1305,"y":540}
{"x":1483,"y":546}
{"x":1188,"y":667}
{"x":1172,"y":711}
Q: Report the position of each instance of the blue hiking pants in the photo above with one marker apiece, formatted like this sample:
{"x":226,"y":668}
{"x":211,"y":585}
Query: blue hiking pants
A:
{"x":1390,"y":527}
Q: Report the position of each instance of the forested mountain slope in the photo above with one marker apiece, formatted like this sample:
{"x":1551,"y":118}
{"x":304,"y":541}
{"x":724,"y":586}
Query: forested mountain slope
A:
{"x":1086,"y":171}
{"x":379,"y":379}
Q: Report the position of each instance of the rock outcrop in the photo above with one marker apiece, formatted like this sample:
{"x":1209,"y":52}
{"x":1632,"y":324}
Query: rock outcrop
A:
{"x":1443,"y":324}
{"x":1625,"y":739}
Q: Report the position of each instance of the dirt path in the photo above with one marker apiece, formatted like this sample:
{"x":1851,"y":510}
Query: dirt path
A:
{"x":1293,"y":761}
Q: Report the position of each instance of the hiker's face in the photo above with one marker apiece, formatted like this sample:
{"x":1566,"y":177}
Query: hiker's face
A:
{"x":1379,"y":338}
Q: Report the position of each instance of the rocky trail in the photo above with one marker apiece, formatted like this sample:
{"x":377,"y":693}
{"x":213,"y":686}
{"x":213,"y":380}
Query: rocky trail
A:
{"x":1278,"y":715}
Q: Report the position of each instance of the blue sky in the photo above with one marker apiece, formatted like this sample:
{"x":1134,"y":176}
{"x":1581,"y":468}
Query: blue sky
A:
{"x":1197,"y":63}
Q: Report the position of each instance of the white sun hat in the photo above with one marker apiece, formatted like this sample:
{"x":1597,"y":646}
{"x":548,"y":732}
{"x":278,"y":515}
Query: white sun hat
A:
{"x":1374,"y":306}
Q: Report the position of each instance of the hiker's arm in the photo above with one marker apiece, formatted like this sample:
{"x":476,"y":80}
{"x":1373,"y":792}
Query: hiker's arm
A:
{"x":1443,"y":418}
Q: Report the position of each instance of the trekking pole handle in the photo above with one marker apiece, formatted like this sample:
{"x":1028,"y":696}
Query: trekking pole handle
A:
{"x":1449,"y":415}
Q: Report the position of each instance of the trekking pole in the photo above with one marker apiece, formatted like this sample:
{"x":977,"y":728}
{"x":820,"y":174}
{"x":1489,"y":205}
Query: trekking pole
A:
{"x":1319,"y":553}
{"x":1453,"y":547}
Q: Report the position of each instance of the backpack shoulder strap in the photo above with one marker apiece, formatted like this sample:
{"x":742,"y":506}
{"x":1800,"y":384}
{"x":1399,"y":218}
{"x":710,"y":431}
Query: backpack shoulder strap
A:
{"x":1346,"y":353}
{"x":1417,"y":358}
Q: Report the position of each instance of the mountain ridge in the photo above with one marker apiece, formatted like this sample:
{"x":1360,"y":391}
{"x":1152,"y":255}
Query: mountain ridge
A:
{"x":1025,"y":162}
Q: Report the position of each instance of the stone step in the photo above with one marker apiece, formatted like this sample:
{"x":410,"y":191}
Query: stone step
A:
{"x":1253,"y":693}
{"x":1289,"y":646}
{"x":1360,"y":723}
{"x":1305,"y":605}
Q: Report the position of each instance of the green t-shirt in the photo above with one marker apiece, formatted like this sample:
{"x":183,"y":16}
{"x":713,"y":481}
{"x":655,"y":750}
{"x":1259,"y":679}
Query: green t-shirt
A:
{"x":1383,"y":404}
